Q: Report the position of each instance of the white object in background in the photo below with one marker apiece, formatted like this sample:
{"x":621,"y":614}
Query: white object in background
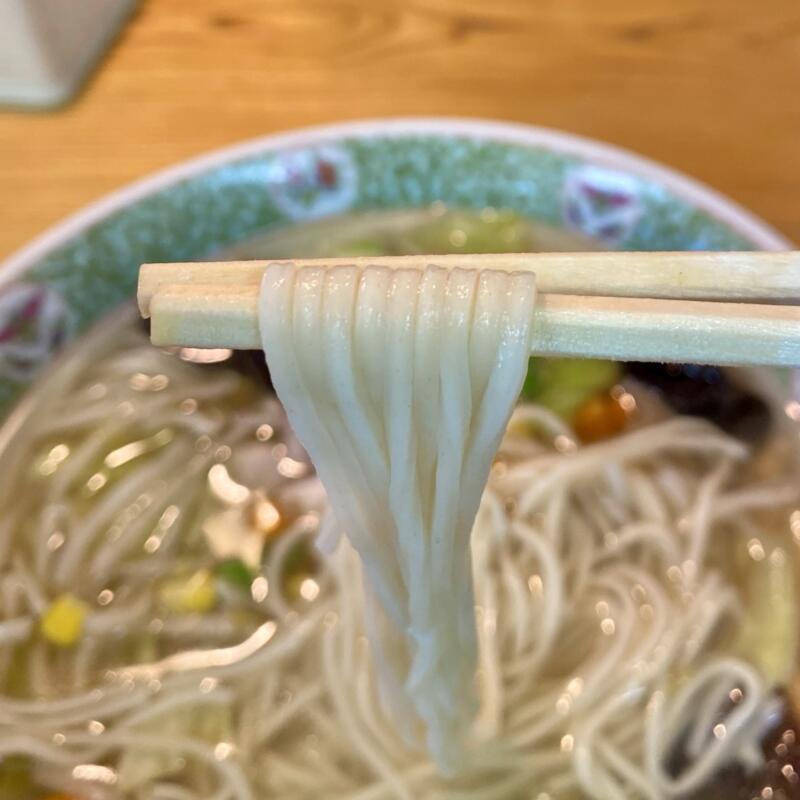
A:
{"x":48,"y":46}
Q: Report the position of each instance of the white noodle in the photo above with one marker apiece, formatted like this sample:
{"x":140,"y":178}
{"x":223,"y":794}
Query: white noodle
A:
{"x":402,"y":407}
{"x":600,"y":652}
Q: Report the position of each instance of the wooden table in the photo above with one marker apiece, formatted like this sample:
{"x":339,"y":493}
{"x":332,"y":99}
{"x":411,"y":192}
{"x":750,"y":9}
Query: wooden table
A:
{"x":711,"y":87}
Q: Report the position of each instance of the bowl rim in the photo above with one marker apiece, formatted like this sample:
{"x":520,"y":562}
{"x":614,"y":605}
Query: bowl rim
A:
{"x":692,"y":191}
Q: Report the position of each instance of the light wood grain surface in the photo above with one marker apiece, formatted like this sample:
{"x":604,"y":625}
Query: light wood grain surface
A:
{"x":711,"y":87}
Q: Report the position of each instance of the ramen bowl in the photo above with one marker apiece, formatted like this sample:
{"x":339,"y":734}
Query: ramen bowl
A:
{"x":120,"y":598}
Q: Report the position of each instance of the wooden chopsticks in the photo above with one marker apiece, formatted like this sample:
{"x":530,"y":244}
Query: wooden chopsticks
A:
{"x":722,"y":308}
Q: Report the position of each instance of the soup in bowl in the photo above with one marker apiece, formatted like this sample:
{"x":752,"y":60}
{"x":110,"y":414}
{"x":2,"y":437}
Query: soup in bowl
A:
{"x":170,"y":629}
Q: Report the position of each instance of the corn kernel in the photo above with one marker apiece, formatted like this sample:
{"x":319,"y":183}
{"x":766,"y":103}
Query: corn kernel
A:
{"x":62,"y":622}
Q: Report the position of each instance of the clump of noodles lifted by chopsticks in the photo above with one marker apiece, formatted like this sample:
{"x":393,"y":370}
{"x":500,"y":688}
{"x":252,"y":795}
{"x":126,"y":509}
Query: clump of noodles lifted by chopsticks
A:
{"x":400,"y":385}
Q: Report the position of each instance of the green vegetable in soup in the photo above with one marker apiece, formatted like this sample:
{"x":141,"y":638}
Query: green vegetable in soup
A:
{"x":467,"y":232}
{"x":235,"y":572}
{"x":453,"y":232}
{"x":400,"y":232}
{"x":358,"y":248}
{"x":564,"y":384}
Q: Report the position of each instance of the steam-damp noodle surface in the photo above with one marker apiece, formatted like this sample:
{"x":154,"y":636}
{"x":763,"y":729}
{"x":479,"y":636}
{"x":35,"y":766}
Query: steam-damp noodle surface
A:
{"x":619,"y":623}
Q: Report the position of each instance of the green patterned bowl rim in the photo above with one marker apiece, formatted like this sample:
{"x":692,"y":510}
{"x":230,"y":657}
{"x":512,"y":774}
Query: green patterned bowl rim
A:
{"x":67,"y":277}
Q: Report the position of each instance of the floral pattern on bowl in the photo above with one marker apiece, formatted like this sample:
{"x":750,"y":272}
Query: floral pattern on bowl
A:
{"x":601,"y":203}
{"x":312,"y":182}
{"x":34,"y":323}
{"x":62,"y":283}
